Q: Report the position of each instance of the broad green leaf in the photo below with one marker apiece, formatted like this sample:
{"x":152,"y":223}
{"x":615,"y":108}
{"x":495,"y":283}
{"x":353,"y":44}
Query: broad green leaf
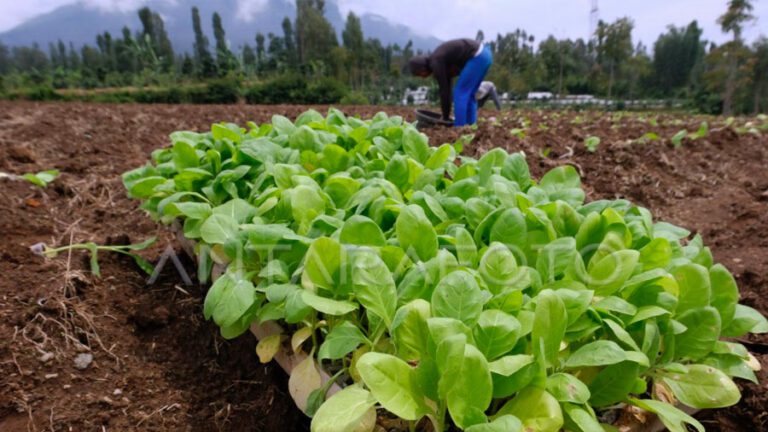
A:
{"x":598,"y":353}
{"x":143,"y":188}
{"x":498,"y":268}
{"x":218,"y":229}
{"x":621,"y":335}
{"x":508,"y":365}
{"x":694,"y":284}
{"x":510,"y":229}
{"x":350,"y":410}
{"x":673,"y":418}
{"x":361,"y":231}
{"x":656,"y":254}
{"x":578,"y":419}
{"x":306,"y":204}
{"x":567,"y":388}
{"x":703,"y":387}
{"x":341,"y":340}
{"x":326,"y":305}
{"x":746,"y":320}
{"x":610,"y":273}
{"x":415,"y":145}
{"x":555,"y":258}
{"x":391,"y":382}
{"x":238,"y":210}
{"x":439,"y":157}
{"x":443,"y":328}
{"x":703,"y":330}
{"x":322,"y":264}
{"x":536,"y":409}
{"x":374,"y":286}
{"x":516,"y":169}
{"x":410,"y":331}
{"x":506,"y":423}
{"x":228,"y":299}
{"x":549,"y":325}
{"x":496,"y":333}
{"x":613,"y":384}
{"x":471,"y":388}
{"x":416,"y":234}
{"x":466,"y":249}
{"x":193,"y":210}
{"x":725,"y":293}
{"x":458,"y":296}
{"x":563,"y":183}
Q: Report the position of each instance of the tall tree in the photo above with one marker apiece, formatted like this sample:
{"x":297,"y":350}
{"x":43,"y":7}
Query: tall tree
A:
{"x":676,"y":54}
{"x":759,"y":66}
{"x":739,"y":13}
{"x":203,"y":59}
{"x":289,"y":39}
{"x":225,"y":61}
{"x":155,"y":40}
{"x":249,"y":60}
{"x":614,"y":47}
{"x":260,"y":51}
{"x":5,"y":59}
{"x":315,"y":36}
{"x":354,"y":43}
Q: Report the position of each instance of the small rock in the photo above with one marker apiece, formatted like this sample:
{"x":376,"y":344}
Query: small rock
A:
{"x":51,"y":376}
{"x":46,"y":357}
{"x":83,"y":360}
{"x":117,"y":392}
{"x":66,"y":386}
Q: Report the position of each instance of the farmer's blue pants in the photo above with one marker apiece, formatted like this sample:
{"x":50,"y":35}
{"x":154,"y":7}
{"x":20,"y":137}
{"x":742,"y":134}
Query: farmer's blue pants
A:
{"x":465,"y":105}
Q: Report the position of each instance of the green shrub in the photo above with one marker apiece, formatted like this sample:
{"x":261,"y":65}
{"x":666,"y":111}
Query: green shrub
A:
{"x":280,"y":90}
{"x":220,"y":91}
{"x":355,"y":98}
{"x":40,"y":93}
{"x":293,"y":89}
{"x":325,"y":91}
{"x":171,"y":95}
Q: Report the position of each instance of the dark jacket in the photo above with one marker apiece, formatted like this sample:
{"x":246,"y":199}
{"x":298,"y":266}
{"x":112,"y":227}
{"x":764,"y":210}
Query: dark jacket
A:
{"x":446,"y":62}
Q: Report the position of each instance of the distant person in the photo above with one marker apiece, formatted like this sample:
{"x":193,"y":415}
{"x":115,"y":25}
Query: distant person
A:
{"x":487,"y":91}
{"x":465,"y":58}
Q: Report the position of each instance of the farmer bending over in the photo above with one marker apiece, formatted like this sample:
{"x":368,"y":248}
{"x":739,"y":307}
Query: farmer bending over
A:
{"x":465,"y":58}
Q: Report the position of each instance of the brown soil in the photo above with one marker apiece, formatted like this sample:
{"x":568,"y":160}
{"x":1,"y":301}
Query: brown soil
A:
{"x":157,"y":365}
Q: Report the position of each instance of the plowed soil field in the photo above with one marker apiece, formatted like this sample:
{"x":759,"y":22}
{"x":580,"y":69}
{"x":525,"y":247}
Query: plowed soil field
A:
{"x":158,"y":366}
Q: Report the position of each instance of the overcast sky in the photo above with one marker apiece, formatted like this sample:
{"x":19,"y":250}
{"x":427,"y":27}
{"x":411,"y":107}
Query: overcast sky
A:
{"x":448,"y":19}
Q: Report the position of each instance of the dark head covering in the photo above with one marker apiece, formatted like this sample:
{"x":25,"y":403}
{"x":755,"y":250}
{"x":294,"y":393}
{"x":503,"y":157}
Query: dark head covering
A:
{"x":419,"y":64}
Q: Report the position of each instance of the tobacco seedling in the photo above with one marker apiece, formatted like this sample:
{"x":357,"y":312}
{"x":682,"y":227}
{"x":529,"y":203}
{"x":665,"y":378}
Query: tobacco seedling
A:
{"x":48,"y":252}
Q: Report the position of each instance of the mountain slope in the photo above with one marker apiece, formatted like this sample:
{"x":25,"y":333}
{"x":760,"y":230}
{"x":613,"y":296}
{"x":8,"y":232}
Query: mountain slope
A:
{"x":79,"y":23}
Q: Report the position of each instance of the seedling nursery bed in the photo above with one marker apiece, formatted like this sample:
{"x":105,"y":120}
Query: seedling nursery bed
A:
{"x":152,"y":353}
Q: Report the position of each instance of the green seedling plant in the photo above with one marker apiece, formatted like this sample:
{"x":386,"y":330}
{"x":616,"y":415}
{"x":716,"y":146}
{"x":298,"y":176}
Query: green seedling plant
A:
{"x":93,"y":249}
{"x":518,"y":132}
{"x":445,"y":289}
{"x":701,"y":132}
{"x":591,"y":143}
{"x":41,"y":179}
{"x":677,"y":139}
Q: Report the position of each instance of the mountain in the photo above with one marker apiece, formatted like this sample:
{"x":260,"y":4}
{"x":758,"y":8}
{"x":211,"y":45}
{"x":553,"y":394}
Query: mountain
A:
{"x":80,"y":22}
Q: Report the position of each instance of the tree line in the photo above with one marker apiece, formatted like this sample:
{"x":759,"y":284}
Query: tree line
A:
{"x":731,"y":77}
